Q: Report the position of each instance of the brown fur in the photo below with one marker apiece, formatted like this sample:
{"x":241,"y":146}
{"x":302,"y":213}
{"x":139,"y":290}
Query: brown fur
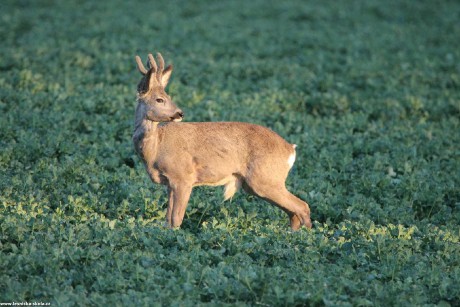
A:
{"x":233,"y":154}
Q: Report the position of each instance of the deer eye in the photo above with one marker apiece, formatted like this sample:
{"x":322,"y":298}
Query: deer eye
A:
{"x":160,"y":100}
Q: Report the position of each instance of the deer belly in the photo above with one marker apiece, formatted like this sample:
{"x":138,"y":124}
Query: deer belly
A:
{"x":215,"y":183}
{"x":210,"y":178}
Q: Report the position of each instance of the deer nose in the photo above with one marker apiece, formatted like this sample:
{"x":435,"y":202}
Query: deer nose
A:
{"x":178,"y":116}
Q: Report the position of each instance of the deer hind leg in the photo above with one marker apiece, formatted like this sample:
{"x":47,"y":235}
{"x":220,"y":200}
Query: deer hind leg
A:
{"x":178,"y":200}
{"x":278,"y":195}
{"x":297,"y":220}
{"x":298,"y":210}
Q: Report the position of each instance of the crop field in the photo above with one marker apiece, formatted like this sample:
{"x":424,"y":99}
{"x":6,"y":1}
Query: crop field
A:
{"x":368,"y":90}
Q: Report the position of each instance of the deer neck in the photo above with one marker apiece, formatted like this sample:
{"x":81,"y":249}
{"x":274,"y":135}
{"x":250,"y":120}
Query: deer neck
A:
{"x":145,"y":135}
{"x":141,"y":123}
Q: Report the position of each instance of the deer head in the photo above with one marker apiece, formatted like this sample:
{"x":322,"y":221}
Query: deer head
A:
{"x":154,"y":103}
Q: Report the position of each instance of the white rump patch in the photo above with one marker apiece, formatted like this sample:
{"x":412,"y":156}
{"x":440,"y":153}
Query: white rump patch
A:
{"x":291,"y":159}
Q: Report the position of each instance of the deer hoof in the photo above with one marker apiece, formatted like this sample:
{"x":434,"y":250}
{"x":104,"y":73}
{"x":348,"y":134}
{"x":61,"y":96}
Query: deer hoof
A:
{"x":295,"y":222}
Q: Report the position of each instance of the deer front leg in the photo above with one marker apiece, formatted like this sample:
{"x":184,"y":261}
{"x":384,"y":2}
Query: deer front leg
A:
{"x":170,"y":207}
{"x":178,"y":199}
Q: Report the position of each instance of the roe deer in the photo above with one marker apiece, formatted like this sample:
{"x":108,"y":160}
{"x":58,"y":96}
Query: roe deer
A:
{"x":184,"y":155}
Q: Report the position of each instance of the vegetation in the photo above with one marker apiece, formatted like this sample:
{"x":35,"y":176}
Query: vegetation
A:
{"x":369,"y":90}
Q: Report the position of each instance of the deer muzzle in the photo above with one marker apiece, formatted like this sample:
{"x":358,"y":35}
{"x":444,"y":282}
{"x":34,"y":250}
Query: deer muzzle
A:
{"x":178,"y":116}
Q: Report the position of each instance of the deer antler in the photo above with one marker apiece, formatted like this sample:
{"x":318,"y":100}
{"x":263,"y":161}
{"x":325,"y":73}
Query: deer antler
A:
{"x":158,"y":70}
{"x":140,"y":66}
{"x":152,"y":62}
{"x":162,"y":64}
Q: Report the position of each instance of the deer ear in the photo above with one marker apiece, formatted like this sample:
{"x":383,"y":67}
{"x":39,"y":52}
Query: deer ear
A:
{"x":165,"y":75}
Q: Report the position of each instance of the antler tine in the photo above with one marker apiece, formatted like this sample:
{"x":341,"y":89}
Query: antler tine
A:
{"x":153,"y":63}
{"x":161,"y":63}
{"x":140,"y":66}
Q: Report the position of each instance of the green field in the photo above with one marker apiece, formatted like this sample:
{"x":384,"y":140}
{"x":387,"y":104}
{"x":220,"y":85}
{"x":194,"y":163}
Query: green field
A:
{"x":368,"y":90}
